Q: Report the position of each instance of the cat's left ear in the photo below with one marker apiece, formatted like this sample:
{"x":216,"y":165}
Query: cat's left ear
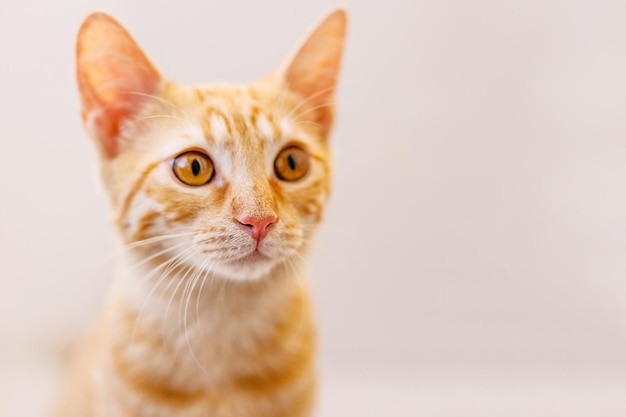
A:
{"x":312,"y":73}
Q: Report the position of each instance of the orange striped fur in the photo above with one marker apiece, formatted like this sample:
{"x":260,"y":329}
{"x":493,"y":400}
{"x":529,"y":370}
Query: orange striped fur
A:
{"x":205,"y":317}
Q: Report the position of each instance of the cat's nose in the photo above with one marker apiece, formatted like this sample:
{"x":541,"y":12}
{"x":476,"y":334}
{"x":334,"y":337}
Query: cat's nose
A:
{"x":257,"y":226}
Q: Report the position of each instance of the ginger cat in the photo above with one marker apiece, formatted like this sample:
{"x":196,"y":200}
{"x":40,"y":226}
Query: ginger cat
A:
{"x":215,"y":193}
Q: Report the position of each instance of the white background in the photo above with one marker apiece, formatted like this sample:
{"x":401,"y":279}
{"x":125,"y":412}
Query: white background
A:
{"x":472,"y":261}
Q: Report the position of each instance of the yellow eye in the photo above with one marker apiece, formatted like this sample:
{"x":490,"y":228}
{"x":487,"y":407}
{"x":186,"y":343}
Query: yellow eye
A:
{"x":291,"y":164}
{"x":193,"y":168}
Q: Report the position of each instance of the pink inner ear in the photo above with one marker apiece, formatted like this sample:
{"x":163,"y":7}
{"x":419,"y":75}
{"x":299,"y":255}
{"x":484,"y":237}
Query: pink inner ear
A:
{"x":111,"y":70}
{"x":313,"y":72}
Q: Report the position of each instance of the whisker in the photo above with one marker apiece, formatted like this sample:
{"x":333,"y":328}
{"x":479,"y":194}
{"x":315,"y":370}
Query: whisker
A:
{"x":159,"y":238}
{"x":121,"y":249}
{"x":180,"y":282}
{"x":160,"y":99}
{"x":310,"y":122}
{"x":172,"y":263}
{"x":312,"y":109}
{"x":188,"y":298}
{"x":311,"y":97}
{"x":156,"y":255}
{"x":154,"y":116}
{"x":204,"y":279}
{"x":291,"y":263}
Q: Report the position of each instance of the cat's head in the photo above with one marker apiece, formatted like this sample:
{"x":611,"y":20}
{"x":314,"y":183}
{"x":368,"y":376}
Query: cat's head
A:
{"x":226,"y":178}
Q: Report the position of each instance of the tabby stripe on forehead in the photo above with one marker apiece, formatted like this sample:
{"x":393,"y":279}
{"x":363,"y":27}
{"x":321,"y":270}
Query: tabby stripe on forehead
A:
{"x":133,"y":191}
{"x":240,"y":124}
{"x":254,"y":112}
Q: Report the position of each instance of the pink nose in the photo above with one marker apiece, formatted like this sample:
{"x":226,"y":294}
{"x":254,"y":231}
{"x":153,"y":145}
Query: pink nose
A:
{"x":257,"y":226}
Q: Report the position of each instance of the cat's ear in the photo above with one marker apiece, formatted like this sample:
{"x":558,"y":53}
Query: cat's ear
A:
{"x":113,"y":75}
{"x":312,"y":72}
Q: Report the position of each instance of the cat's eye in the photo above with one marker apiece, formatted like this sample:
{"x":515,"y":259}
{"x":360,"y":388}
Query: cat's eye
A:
{"x":291,"y":164}
{"x":193,"y":168}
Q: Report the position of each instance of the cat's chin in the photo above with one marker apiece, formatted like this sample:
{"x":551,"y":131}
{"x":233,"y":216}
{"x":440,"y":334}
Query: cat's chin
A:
{"x":251,"y":267}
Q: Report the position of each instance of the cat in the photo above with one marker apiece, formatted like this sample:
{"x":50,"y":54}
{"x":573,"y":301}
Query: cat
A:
{"x":215,"y":193}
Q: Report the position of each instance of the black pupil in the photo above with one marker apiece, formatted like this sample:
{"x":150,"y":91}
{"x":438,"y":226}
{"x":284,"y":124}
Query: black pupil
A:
{"x":291,"y":161}
{"x":195,"y":167}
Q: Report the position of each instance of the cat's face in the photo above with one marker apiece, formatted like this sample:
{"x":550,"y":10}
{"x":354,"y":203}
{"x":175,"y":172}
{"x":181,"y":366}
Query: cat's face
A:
{"x":235,"y":173}
{"x":228,"y":179}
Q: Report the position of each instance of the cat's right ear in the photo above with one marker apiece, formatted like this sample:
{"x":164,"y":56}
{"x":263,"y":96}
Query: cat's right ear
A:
{"x":114,"y":76}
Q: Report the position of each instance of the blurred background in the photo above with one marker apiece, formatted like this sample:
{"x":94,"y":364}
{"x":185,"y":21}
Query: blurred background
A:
{"x":472,"y":261}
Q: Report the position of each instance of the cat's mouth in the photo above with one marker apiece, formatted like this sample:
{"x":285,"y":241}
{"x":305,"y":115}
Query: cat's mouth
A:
{"x":252,"y":265}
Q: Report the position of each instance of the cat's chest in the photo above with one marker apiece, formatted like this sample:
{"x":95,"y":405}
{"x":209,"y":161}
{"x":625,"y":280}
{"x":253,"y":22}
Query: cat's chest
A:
{"x":213,"y":359}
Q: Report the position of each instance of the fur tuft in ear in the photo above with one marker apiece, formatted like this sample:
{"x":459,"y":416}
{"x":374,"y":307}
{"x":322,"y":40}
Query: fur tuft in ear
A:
{"x":113,"y":76}
{"x":312,"y":73}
